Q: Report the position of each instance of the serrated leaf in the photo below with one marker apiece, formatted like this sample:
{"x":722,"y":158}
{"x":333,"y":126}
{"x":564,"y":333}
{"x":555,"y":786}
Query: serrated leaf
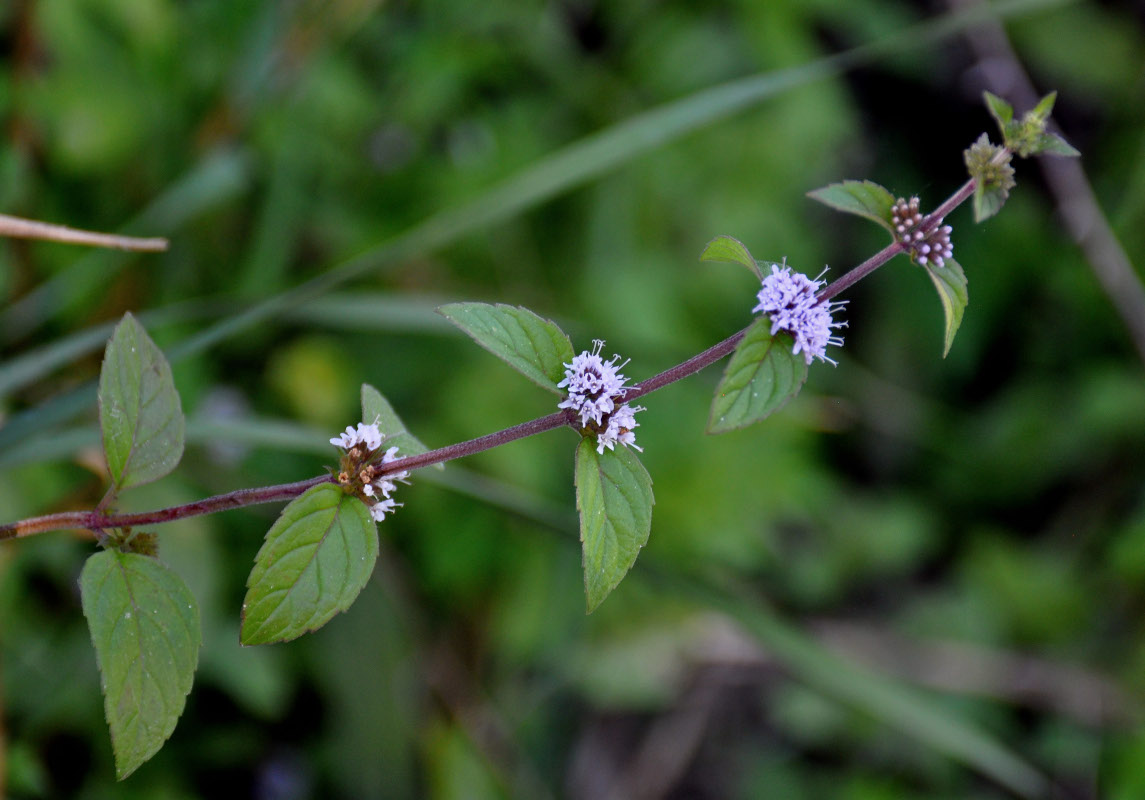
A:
{"x":865,"y":198}
{"x":376,"y":407}
{"x":144,"y":624}
{"x":732,"y":251}
{"x":761,"y":376}
{"x":533,"y":346}
{"x":316,"y":558}
{"x":139,"y":409}
{"x":1054,"y":145}
{"x":988,"y":201}
{"x":614,"y":497}
{"x":950,"y":281}
{"x":1002,"y":111}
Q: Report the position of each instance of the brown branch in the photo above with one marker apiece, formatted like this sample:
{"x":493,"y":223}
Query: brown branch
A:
{"x":31,"y":229}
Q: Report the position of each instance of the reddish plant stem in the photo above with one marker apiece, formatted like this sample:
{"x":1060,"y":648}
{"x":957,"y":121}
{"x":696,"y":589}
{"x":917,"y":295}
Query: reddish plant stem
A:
{"x":486,"y":442}
{"x":932,"y":220}
{"x":98,"y":521}
{"x":689,"y":367}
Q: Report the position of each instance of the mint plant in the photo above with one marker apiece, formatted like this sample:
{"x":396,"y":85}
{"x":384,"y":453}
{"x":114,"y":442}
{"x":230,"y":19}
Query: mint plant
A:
{"x":322,"y":549}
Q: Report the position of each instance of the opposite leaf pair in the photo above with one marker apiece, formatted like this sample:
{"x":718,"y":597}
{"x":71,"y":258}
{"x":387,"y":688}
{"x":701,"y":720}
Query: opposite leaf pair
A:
{"x":614,"y":491}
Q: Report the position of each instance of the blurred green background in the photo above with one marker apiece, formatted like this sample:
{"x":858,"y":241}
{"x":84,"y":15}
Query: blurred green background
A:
{"x":924,"y":578}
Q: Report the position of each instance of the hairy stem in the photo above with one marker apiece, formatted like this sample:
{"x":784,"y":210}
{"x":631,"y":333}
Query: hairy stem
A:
{"x":99,"y":521}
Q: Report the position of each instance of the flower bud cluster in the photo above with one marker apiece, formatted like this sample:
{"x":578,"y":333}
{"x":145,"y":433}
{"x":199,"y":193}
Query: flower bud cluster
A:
{"x":925,"y":247}
{"x":989,"y":164}
{"x":594,"y":386}
{"x":362,"y":468}
{"x":789,"y":299}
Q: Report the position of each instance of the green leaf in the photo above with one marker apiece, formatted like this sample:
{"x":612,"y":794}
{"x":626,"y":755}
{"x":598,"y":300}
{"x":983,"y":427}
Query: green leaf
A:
{"x":377,"y":407}
{"x":865,"y":198}
{"x":533,"y":346}
{"x":950,"y":281}
{"x":988,"y":200}
{"x":614,"y":497}
{"x":730,"y":250}
{"x":762,"y":375}
{"x":139,"y":409}
{"x":1054,"y":145}
{"x":1044,"y":107}
{"x":144,"y":624}
{"x":316,"y":558}
{"x":1002,"y":111}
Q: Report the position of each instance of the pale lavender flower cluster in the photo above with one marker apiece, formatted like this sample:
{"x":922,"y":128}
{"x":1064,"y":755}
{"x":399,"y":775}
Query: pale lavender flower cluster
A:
{"x":933,"y":246}
{"x":594,"y":385}
{"x":620,"y":425}
{"x":379,"y":488}
{"x":789,"y":299}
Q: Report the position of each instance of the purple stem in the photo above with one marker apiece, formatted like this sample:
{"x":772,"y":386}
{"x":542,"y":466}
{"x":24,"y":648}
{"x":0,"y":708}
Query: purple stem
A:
{"x":99,"y":521}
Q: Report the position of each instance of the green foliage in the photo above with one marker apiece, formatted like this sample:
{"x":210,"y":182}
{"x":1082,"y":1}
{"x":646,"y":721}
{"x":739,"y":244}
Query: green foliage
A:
{"x":761,"y":377}
{"x":732,"y":251}
{"x":1028,"y":136}
{"x":316,"y":558}
{"x":950,"y":283}
{"x":533,"y":346}
{"x":988,"y":201}
{"x":139,"y":408}
{"x":573,"y":162}
{"x":144,"y":625}
{"x":614,"y":498}
{"x":989,"y":166}
{"x":864,"y":198}
{"x":377,"y":408}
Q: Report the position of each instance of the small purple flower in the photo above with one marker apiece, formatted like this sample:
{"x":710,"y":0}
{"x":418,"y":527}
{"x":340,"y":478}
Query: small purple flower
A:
{"x":789,"y":299}
{"x":593,"y":384}
{"x":594,"y":387}
{"x":620,"y":425}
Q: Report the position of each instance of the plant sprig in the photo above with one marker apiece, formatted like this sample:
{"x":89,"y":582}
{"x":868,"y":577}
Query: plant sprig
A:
{"x":320,"y":552}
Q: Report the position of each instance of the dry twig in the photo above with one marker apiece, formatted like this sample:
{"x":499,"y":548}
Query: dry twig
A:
{"x":31,"y":229}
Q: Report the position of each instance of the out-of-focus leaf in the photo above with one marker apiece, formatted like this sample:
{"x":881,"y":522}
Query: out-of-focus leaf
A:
{"x":144,"y":625}
{"x":376,"y":407}
{"x":762,"y":375}
{"x":139,"y":408}
{"x":950,"y":281}
{"x":1000,"y":110}
{"x":1054,"y":145}
{"x":614,"y":497}
{"x":730,"y":250}
{"x":887,"y":701}
{"x":533,"y":346}
{"x":316,"y":558}
{"x":1044,"y":107}
{"x":988,"y":200}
